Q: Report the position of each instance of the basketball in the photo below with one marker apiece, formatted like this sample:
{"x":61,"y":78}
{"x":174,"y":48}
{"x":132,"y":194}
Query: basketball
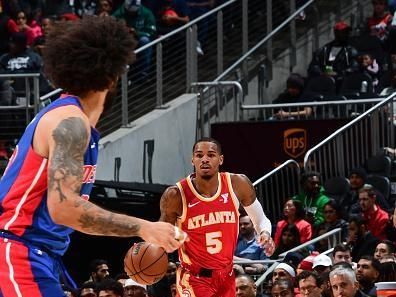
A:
{"x":146,"y":263}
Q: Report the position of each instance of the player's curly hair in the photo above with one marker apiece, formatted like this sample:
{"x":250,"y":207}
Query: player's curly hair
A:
{"x":88,"y":54}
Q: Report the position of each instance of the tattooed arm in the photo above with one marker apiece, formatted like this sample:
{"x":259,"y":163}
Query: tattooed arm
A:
{"x":171,"y":205}
{"x":67,"y":139}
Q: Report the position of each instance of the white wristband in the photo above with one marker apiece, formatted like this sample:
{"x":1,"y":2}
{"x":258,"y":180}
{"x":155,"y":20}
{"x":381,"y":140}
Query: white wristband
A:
{"x":256,"y":214}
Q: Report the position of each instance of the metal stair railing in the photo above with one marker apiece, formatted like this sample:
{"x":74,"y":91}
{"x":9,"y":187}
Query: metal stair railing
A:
{"x":351,"y":145}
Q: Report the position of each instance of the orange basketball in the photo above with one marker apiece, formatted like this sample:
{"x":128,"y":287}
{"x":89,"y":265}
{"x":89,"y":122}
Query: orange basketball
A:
{"x":146,"y":263}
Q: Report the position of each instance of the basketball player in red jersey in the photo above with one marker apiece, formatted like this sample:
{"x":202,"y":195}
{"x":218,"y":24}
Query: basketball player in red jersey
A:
{"x":45,"y":189}
{"x":205,"y":206}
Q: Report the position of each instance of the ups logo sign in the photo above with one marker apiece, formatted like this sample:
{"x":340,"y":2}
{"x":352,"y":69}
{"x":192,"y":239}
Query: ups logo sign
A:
{"x":295,"y":142}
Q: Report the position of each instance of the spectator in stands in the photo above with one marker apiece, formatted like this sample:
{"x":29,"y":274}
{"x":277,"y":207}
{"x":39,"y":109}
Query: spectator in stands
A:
{"x":245,"y":286}
{"x":376,"y":218}
{"x":141,"y":22}
{"x":325,"y":287}
{"x":4,"y":32}
{"x":367,"y":273}
{"x":322,"y":245}
{"x":333,"y":218}
{"x":85,"y":7}
{"x":88,"y":290}
{"x":172,"y":14}
{"x":360,"y":238}
{"x":121,"y":278}
{"x":110,"y":288}
{"x":337,"y":57}
{"x":342,"y":253}
{"x":309,"y":284}
{"x":56,"y":8}
{"x":163,"y":288}
{"x":283,"y":271}
{"x":21,"y":59}
{"x":248,"y":248}
{"x":357,"y":178}
{"x":290,"y":238}
{"x":68,"y":291}
{"x":105,"y":7}
{"x":38,"y":43}
{"x":134,"y":289}
{"x":196,"y":9}
{"x":384,"y":248}
{"x":29,"y":26}
{"x":387,"y":272}
{"x":292,"y":94}
{"x":293,"y":259}
{"x":378,"y":24}
{"x":99,"y":270}
{"x":294,"y":213}
{"x":282,"y":288}
{"x":343,"y":283}
{"x":312,"y":197}
{"x":307,"y":263}
{"x":368,"y":65}
{"x":322,"y":263}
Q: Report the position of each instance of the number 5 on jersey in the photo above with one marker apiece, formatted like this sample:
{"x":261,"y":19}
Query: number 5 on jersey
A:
{"x":213,"y":242}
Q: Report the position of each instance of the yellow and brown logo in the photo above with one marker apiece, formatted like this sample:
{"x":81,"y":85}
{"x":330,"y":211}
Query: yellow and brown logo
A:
{"x":295,"y":142}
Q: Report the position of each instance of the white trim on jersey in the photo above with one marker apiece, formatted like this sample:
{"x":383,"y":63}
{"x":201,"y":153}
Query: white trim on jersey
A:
{"x":24,"y":197}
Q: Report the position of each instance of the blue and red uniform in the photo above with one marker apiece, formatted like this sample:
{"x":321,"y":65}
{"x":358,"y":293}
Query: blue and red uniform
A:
{"x":212,"y":225}
{"x":31,"y":244}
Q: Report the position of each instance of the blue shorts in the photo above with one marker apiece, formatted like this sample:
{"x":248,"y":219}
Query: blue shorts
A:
{"x":27,"y":271}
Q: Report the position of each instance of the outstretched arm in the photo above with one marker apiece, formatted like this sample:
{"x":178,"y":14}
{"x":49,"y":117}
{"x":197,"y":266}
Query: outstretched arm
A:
{"x":67,"y":138}
{"x":246,"y":194}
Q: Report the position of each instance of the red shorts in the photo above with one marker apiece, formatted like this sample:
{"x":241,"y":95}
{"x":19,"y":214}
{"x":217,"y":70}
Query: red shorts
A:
{"x":220,"y":284}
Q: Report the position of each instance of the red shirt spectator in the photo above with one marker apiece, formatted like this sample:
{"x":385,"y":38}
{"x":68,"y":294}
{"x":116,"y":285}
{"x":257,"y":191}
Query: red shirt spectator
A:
{"x":294,"y":213}
{"x":376,"y":218}
{"x":304,"y":228}
{"x":31,"y":29}
{"x":378,"y":23}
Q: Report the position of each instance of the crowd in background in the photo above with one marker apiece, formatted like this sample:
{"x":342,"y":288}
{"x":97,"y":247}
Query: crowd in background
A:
{"x":359,"y":63}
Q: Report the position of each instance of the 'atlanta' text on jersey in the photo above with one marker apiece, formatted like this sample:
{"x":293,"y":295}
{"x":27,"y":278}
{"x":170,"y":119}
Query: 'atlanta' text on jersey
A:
{"x":211,"y":224}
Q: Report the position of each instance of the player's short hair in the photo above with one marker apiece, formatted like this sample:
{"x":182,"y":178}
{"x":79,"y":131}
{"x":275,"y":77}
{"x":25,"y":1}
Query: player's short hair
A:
{"x":88,"y":54}
{"x":209,"y":139}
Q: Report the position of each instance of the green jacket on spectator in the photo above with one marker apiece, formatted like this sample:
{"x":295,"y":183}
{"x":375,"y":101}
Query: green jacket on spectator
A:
{"x":313,"y":206}
{"x":143,"y":22}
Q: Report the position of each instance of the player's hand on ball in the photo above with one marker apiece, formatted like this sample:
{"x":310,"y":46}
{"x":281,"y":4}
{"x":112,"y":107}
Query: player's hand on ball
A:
{"x":266,"y":242}
{"x":164,"y":234}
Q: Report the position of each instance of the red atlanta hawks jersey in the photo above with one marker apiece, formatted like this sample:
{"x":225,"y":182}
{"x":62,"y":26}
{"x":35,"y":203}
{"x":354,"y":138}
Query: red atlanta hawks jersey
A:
{"x":212,"y":224}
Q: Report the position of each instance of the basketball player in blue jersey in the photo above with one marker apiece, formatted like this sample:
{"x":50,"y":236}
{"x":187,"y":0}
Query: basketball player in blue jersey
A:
{"x":45,"y":189}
